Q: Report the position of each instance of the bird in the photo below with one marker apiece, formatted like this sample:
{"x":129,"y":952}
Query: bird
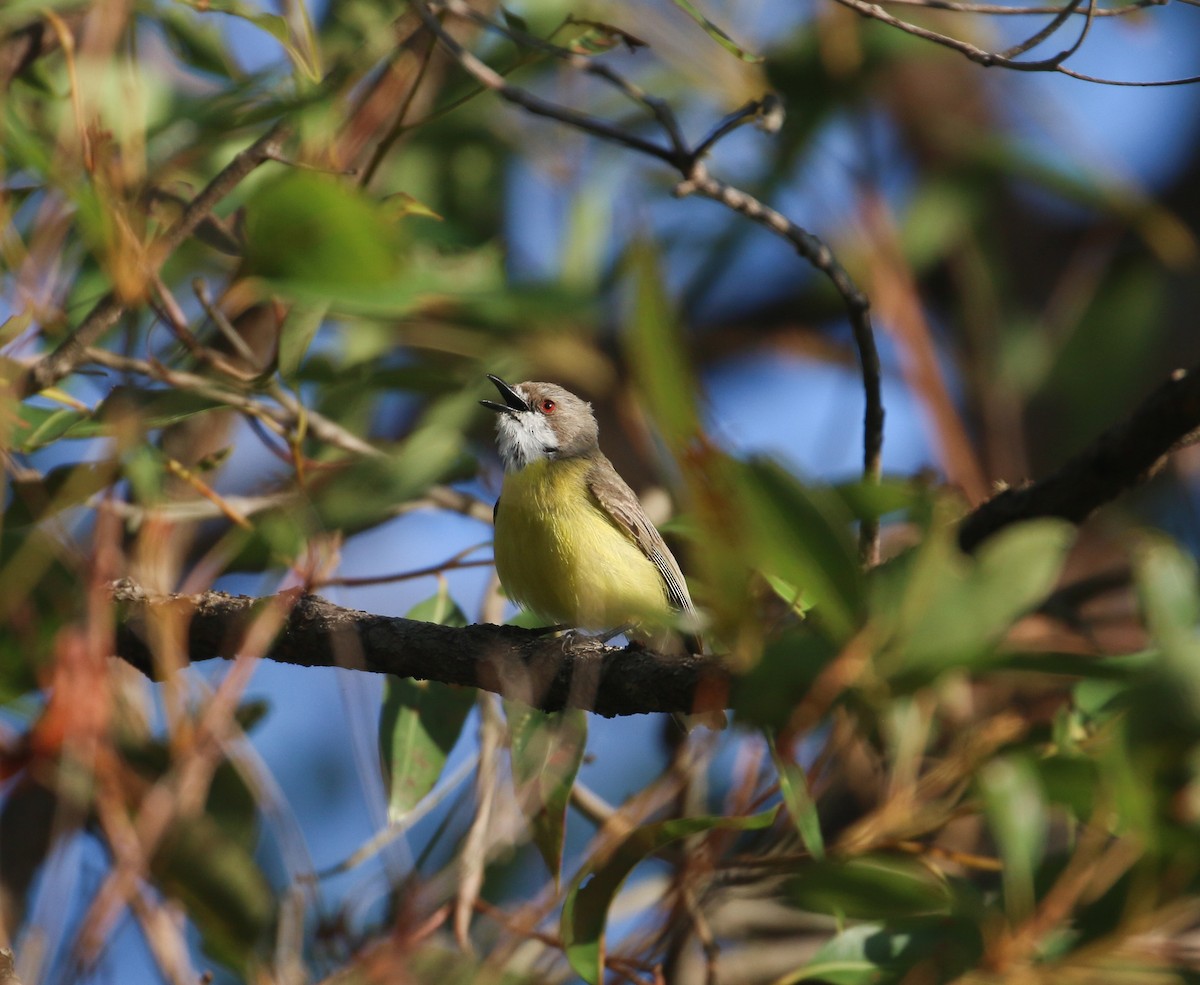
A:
{"x":572,"y":542}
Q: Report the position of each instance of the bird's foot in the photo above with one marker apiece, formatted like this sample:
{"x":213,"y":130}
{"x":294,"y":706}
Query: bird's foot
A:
{"x":612,"y":634}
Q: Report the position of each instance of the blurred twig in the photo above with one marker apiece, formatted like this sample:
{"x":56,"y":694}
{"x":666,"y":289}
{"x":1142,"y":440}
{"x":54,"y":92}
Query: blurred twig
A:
{"x":281,"y":418}
{"x":476,"y":846}
{"x":1004,"y":10}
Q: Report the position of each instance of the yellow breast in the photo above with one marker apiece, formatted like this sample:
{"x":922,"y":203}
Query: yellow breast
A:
{"x":560,"y":555}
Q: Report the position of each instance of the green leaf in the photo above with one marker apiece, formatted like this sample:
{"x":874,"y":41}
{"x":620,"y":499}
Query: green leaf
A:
{"x":197,"y":42}
{"x":768,"y":693}
{"x":655,"y":349}
{"x":439,"y":609}
{"x":547,"y":750}
{"x":869,"y":888}
{"x":946,"y":609}
{"x":315,"y":230}
{"x":220,"y":885}
{"x":301,"y":54}
{"x":35,"y":427}
{"x":714,"y":32}
{"x":872,"y":953}
{"x":1164,"y":708}
{"x":1016,"y":810}
{"x":14,"y":325}
{"x":802,"y":535}
{"x":875,"y":500}
{"x":938,"y":215}
{"x":1167,"y":586}
{"x":793,"y":785}
{"x":1072,"y":781}
{"x":514,"y":20}
{"x":420,"y":721}
{"x":59,"y":489}
{"x":600,"y":38}
{"x":154,"y":408}
{"x":585,"y":909}
{"x":418,"y":726}
{"x":299,"y":329}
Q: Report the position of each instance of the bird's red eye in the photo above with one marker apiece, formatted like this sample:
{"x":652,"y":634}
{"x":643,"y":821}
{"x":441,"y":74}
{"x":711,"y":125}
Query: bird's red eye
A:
{"x":548,"y":406}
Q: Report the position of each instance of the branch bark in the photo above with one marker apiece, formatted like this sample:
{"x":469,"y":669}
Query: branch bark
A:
{"x":1124,"y":456}
{"x":547,"y":672}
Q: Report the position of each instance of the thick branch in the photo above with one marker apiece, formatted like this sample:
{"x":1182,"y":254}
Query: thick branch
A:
{"x":1124,"y":456}
{"x":548,"y":672}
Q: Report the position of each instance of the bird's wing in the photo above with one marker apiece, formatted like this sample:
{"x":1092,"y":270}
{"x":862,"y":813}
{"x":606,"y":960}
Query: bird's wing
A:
{"x":616,"y":499}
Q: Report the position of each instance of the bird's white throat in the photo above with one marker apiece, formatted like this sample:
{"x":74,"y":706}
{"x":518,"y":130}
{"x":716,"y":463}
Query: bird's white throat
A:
{"x":524,"y":437}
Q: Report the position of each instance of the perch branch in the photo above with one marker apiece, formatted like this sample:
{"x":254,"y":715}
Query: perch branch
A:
{"x":1124,"y":456}
{"x":547,"y":672}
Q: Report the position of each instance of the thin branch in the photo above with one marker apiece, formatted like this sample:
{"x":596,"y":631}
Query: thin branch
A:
{"x":1003,"y":10}
{"x":494,"y":81}
{"x":1154,"y":84}
{"x":454,"y":563}
{"x":25,"y":45}
{"x":228,"y":332}
{"x":990,"y":59}
{"x":285,"y":417}
{"x":1124,"y":456}
{"x":765,"y":113}
{"x":542,"y":670}
{"x":108,"y":311}
{"x":1039,"y":36}
{"x":398,"y":128}
{"x":817,"y":253}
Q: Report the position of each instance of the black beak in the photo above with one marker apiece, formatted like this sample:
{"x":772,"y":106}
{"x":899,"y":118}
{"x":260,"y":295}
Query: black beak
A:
{"x":512,"y":400}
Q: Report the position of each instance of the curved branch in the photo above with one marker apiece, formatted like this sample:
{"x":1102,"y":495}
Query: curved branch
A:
{"x":858,"y":307}
{"x":1124,"y":456}
{"x":550,"y":673}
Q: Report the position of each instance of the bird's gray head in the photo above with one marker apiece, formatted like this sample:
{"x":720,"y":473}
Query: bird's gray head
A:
{"x":541,"y":420}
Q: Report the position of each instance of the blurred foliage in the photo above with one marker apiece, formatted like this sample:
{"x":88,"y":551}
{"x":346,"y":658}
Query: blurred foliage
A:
{"x":950,"y":768}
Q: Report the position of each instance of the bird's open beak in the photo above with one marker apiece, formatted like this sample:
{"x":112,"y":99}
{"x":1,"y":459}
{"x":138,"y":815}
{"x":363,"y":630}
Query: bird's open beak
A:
{"x":513,"y":401}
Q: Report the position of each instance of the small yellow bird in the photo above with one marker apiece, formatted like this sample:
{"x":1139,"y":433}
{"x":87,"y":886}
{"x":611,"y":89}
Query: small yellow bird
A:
{"x":572,"y":542}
